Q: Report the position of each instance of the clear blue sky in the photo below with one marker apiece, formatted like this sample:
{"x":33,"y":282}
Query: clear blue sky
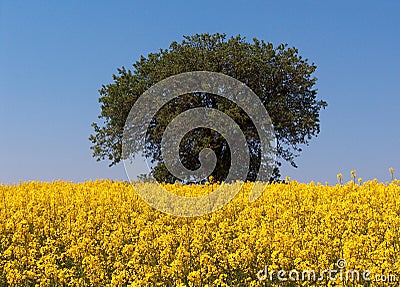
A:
{"x":55,"y":55}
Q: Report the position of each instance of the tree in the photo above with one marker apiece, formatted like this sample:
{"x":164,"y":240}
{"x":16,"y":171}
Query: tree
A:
{"x":281,"y":78}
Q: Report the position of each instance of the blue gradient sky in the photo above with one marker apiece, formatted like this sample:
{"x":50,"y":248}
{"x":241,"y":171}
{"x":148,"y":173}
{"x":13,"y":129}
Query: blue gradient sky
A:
{"x":55,"y":55}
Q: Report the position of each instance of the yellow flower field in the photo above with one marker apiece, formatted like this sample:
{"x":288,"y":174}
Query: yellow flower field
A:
{"x":102,"y":234}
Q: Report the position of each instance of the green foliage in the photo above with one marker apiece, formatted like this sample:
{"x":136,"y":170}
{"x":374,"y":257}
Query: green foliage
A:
{"x":282,"y":79}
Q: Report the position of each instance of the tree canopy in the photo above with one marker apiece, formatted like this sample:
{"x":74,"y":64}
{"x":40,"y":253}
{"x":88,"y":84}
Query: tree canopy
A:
{"x":279,"y":76}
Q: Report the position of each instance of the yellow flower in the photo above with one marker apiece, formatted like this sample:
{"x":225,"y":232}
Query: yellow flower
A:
{"x":339,"y":178}
{"x":391,"y":170}
{"x":101,"y":233}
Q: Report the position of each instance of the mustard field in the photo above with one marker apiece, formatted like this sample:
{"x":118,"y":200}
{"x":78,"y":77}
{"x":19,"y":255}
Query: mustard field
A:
{"x":102,"y":233}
